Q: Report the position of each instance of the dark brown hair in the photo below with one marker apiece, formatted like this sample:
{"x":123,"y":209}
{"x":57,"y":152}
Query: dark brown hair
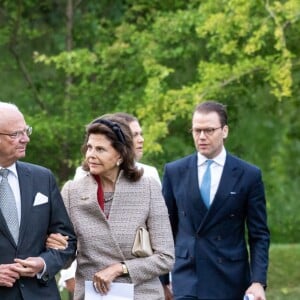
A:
{"x":117,"y":131}
{"x":213,"y":106}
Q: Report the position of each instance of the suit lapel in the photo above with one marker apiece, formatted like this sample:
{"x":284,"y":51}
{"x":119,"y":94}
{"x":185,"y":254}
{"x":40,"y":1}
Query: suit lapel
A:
{"x":26,"y":192}
{"x":229,"y":179}
{"x":4,"y":229}
{"x":193,"y":203}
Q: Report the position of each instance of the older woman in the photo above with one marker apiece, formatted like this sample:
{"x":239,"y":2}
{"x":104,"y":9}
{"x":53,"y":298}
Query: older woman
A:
{"x":107,"y":206}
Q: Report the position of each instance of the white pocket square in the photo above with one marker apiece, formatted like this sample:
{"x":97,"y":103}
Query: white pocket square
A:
{"x":40,"y":199}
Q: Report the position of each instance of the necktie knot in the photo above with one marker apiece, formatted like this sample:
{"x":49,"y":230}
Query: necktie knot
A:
{"x":209,"y":162}
{"x":4,"y":173}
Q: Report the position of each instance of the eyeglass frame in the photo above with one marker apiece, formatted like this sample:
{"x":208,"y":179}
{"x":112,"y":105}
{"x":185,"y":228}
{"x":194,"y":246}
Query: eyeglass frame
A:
{"x":206,"y":131}
{"x":16,"y":134}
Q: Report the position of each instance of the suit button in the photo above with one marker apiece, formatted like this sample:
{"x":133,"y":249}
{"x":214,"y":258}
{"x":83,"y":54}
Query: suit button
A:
{"x":22,"y":285}
{"x":220,"y":260}
{"x":219,"y":238}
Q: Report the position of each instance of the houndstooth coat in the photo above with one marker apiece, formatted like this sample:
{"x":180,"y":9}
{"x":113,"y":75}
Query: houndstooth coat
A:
{"x":102,"y":241}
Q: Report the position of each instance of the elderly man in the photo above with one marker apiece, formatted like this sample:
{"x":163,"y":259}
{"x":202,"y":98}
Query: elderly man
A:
{"x":31,"y":208}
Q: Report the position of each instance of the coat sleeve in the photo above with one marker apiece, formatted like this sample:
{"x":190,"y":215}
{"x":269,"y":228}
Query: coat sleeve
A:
{"x":161,"y":262}
{"x":59,"y":223}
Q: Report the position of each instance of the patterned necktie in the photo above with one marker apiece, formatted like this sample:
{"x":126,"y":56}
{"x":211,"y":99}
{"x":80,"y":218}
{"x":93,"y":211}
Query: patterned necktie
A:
{"x":8,"y":205}
{"x":205,"y":185}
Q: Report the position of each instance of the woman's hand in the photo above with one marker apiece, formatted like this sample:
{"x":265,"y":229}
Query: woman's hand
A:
{"x":103,"y":279}
{"x":57,"y":241}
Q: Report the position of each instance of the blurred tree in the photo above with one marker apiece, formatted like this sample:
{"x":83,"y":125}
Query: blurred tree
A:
{"x":80,"y":59}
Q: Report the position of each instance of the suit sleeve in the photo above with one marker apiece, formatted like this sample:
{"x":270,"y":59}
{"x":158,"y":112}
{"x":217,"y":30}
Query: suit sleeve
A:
{"x":170,"y":200}
{"x":172,"y":211}
{"x":59,"y":223}
{"x":258,"y":232}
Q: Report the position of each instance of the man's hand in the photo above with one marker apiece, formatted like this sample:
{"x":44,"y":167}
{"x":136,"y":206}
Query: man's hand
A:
{"x":30,"y":266}
{"x":168,"y":291}
{"x":8,"y":274}
{"x":257,"y":290}
{"x":57,"y":241}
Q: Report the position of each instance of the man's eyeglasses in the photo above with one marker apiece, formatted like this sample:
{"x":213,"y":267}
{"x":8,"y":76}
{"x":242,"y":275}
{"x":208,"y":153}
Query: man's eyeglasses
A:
{"x":207,"y":131}
{"x":19,"y":133}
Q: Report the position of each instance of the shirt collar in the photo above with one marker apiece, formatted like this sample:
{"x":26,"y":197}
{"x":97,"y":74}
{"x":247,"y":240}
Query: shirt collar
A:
{"x":12,"y":168}
{"x":219,"y":159}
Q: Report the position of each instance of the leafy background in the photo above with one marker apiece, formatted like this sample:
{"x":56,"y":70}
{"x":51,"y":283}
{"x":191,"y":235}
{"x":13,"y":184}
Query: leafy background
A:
{"x":66,"y":62}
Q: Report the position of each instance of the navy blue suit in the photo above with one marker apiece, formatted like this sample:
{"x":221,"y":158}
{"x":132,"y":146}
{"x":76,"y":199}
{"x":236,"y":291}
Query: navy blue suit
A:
{"x":212,"y":260}
{"x":37,"y":221}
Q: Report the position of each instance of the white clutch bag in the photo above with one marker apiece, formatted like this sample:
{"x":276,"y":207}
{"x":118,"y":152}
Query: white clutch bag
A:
{"x":142,"y":246}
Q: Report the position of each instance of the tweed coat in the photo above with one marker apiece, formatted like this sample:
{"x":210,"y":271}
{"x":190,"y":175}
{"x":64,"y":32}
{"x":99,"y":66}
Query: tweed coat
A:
{"x":102,"y":241}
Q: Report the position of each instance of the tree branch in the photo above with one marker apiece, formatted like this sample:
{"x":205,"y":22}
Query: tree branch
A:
{"x":12,"y":47}
{"x":27,"y":77}
{"x":229,"y":80}
{"x":69,"y":39}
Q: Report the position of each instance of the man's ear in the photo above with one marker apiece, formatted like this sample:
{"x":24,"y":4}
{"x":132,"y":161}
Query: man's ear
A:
{"x":225,"y":131}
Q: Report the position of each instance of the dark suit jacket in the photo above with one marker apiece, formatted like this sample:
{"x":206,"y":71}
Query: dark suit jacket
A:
{"x":211,"y":255}
{"x":37,"y":221}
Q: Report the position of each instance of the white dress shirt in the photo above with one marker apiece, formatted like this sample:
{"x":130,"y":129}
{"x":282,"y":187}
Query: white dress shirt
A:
{"x":216,"y":170}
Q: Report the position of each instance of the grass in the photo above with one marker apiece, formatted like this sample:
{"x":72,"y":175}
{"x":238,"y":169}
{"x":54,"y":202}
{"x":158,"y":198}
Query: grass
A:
{"x":283,"y":275}
{"x":64,"y":295}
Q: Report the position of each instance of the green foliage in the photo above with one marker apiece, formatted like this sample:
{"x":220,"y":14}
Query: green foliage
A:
{"x":157,"y":60}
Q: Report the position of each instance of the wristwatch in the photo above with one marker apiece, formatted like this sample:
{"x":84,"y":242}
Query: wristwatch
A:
{"x":124,"y":267}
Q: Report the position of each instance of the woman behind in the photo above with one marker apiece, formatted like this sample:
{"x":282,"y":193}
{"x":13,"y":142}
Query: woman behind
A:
{"x":106,"y":208}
